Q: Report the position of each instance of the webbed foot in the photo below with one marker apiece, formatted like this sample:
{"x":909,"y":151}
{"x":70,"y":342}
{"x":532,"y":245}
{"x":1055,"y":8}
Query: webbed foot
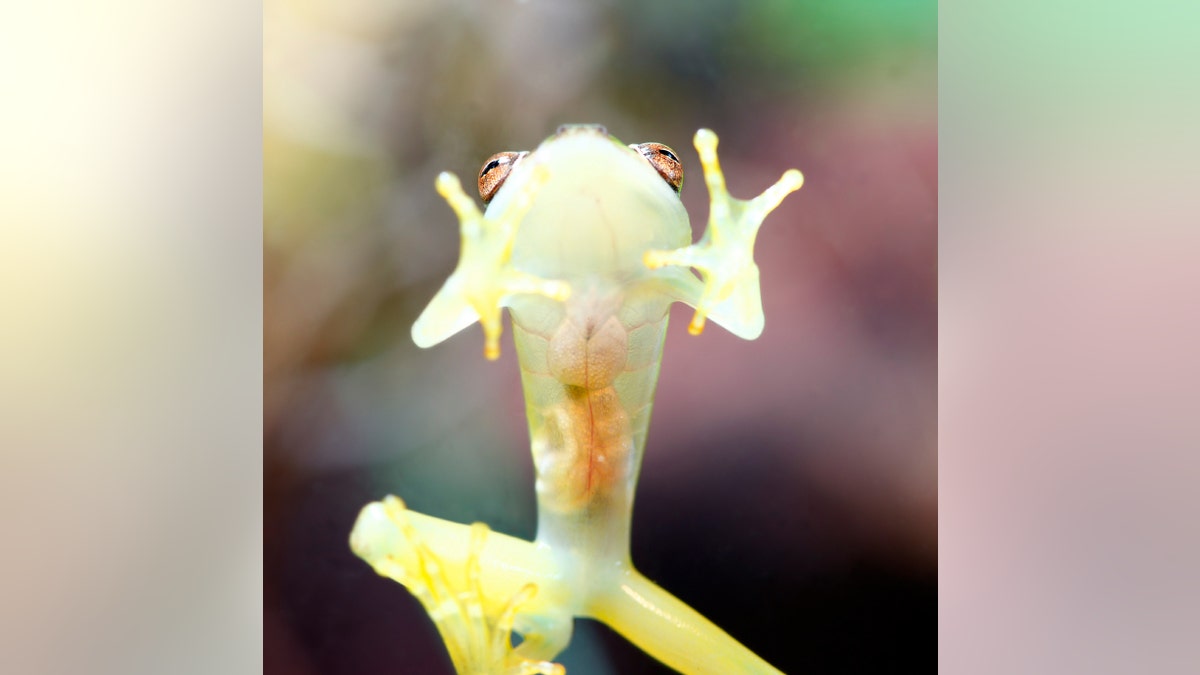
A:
{"x":484,"y":277}
{"x":724,"y":256}
{"x":477,"y":631}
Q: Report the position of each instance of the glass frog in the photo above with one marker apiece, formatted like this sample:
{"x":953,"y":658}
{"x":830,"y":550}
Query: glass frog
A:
{"x":586,"y":242}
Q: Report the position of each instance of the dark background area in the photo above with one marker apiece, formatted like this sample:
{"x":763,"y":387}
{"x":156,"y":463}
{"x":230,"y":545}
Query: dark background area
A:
{"x":789,"y":486}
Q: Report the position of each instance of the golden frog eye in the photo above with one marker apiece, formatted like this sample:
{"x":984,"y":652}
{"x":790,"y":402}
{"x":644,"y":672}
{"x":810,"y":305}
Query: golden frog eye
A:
{"x":494,"y":172}
{"x":664,"y":161}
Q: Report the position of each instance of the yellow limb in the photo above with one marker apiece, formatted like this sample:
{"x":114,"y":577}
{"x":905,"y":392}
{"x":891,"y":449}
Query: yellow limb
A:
{"x":476,"y":585}
{"x":484,"y":278}
{"x":724,"y":256}
{"x":672,"y":632}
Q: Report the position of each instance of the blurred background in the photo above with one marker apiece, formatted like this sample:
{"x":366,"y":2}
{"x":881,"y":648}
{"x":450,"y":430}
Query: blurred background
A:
{"x":805,"y":462}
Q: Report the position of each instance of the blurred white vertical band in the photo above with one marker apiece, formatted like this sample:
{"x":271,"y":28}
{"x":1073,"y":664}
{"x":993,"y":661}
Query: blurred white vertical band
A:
{"x":130,"y":337}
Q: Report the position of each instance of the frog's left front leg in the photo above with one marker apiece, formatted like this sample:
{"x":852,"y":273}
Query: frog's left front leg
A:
{"x":729,"y":293}
{"x":484,"y":280}
{"x":476,"y":585}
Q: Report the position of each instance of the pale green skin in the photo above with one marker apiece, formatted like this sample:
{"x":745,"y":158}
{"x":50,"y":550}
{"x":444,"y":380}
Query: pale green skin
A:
{"x":567,"y":244}
{"x":614,"y":321}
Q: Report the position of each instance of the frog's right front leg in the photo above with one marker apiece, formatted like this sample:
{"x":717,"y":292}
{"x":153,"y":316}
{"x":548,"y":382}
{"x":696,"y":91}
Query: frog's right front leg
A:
{"x":476,"y":585}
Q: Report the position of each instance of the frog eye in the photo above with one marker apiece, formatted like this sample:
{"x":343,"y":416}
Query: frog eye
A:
{"x":664,"y":161}
{"x":495,"y":170}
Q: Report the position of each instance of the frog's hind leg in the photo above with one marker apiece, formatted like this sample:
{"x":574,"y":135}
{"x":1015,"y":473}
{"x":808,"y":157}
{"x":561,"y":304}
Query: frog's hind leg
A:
{"x":544,"y":635}
{"x":475,"y":585}
{"x":670,"y":631}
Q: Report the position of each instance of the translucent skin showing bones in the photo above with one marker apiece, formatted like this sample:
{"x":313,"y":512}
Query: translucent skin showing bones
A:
{"x":588,"y":246}
{"x":587,"y":396}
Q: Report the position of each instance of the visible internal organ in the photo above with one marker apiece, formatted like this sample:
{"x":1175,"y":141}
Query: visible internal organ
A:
{"x":585,"y":445}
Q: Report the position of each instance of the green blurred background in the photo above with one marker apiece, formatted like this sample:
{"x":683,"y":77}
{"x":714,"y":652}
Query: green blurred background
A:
{"x":806,"y":461}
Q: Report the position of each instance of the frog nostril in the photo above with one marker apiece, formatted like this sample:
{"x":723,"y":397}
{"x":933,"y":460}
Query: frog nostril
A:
{"x":568,"y":128}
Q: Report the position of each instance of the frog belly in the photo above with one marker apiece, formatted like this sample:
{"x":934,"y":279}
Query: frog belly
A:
{"x":588,"y":367}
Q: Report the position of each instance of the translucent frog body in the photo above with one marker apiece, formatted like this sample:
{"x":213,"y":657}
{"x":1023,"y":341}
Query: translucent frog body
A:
{"x":586,"y":242}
